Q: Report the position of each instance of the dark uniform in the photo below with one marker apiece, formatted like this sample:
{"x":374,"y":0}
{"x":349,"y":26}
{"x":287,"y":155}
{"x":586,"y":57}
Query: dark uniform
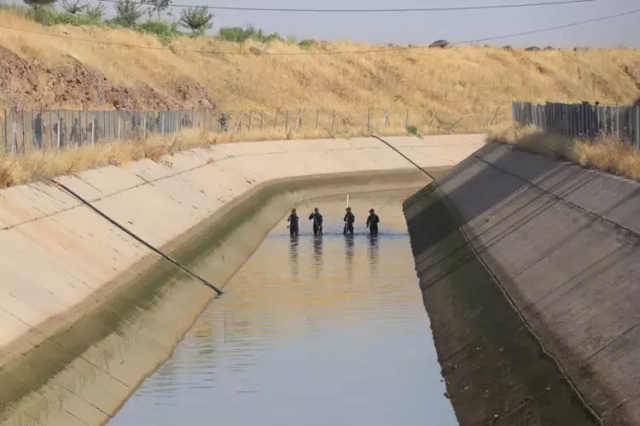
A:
{"x":349,"y":219}
{"x":317,"y":222}
{"x":372,"y":222}
{"x":293,"y":223}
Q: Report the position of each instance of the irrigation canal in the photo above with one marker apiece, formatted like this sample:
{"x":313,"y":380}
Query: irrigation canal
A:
{"x":311,"y":331}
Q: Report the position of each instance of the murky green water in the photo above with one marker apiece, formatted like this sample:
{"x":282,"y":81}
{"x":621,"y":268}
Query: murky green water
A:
{"x":312,"y":331}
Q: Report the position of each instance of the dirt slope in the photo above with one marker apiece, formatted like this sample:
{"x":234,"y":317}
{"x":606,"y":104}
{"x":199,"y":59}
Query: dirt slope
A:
{"x":59,"y":70}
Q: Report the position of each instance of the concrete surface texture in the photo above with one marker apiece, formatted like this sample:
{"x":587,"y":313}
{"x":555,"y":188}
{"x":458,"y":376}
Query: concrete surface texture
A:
{"x":55,"y":252}
{"x":562,"y":242}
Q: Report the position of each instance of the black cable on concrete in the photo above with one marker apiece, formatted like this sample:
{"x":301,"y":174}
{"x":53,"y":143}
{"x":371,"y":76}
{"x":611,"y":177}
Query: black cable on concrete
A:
{"x":137,"y":238}
{"x":405,"y":157}
{"x":506,"y":294}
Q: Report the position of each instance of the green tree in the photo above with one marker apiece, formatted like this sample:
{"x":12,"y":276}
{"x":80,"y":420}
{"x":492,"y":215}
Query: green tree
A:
{"x":197,"y":19}
{"x":95,"y":13}
{"x":158,"y":6}
{"x":37,"y":4}
{"x":73,"y":8}
{"x":128,"y":12}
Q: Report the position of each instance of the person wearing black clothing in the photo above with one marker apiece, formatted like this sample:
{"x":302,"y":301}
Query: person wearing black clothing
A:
{"x":317,"y":221}
{"x":293,"y":223}
{"x":349,"y":218}
{"x":372,"y":222}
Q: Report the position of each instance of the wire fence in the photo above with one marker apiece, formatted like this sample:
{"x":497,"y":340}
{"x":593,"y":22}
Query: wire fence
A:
{"x":23,"y":131}
{"x":582,"y":120}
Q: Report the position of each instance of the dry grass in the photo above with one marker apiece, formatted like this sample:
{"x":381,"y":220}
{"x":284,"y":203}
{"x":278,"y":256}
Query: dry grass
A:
{"x":16,"y":170}
{"x":603,"y":153}
{"x":439,"y":86}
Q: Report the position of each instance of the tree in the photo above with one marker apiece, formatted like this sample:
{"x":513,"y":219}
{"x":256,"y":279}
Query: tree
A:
{"x":95,"y":13}
{"x":197,"y":19}
{"x":158,"y":6}
{"x":128,"y":12}
{"x":73,"y":8}
{"x":37,"y":4}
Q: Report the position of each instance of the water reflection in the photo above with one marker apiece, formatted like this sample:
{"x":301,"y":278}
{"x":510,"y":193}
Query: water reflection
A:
{"x":349,"y":252}
{"x":293,"y":256}
{"x":373,"y":254}
{"x":332,"y":333}
{"x":317,"y":255}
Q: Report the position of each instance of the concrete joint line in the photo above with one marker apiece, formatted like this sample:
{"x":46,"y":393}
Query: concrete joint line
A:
{"x":544,"y":349}
{"x":559,"y":198}
{"x":139,"y":239}
{"x":517,"y":310}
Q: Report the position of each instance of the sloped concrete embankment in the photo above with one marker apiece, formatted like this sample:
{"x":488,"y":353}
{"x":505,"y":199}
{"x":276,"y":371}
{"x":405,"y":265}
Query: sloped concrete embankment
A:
{"x":86,"y":311}
{"x":529,"y":270}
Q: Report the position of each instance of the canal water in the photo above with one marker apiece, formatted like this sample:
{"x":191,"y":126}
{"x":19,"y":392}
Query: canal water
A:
{"x":311,"y":331}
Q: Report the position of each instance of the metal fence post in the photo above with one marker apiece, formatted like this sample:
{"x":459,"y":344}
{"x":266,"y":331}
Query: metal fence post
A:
{"x":333,"y":119}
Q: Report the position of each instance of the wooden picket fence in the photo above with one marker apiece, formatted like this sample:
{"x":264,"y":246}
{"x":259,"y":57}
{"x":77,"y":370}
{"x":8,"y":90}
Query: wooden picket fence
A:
{"x":582,"y":120}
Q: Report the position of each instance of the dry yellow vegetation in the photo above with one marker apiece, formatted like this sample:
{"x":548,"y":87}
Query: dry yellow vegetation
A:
{"x":45,"y":164}
{"x":603,"y":153}
{"x":441,"y":87}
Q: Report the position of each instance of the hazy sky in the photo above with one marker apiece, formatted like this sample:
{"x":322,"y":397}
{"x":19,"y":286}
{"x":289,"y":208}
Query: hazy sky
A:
{"x":424,"y":27}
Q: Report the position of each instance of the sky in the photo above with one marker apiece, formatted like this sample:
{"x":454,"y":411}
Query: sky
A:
{"x":425,"y":27}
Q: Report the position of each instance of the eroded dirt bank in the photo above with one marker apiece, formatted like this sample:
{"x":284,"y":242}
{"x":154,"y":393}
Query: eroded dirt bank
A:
{"x":533,"y":319}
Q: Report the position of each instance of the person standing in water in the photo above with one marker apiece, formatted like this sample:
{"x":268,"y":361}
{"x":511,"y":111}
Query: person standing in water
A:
{"x":317,"y":221}
{"x":293,"y":223}
{"x":349,"y":219}
{"x":372,"y":222}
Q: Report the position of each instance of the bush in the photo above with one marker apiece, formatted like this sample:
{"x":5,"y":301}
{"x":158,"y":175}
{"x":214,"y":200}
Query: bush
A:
{"x":165,"y":31}
{"x":306,"y":44}
{"x":413,"y":130}
{"x":240,"y":35}
{"x":49,"y":16}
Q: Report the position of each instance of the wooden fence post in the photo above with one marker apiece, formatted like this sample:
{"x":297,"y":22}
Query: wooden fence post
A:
{"x":5,"y":131}
{"x":24,"y":145}
{"x":14,"y":144}
{"x":638,"y":127}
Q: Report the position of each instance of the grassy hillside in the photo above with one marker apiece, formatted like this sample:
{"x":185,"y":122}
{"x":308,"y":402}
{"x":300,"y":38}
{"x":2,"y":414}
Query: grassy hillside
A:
{"x":461,"y":82}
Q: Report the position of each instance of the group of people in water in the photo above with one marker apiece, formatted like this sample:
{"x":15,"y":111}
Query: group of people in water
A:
{"x":349,"y":219}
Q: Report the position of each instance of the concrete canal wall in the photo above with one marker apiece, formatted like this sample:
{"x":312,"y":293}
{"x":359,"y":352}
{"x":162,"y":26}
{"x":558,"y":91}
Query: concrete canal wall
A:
{"x":529,"y":269}
{"x":78,"y":329}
